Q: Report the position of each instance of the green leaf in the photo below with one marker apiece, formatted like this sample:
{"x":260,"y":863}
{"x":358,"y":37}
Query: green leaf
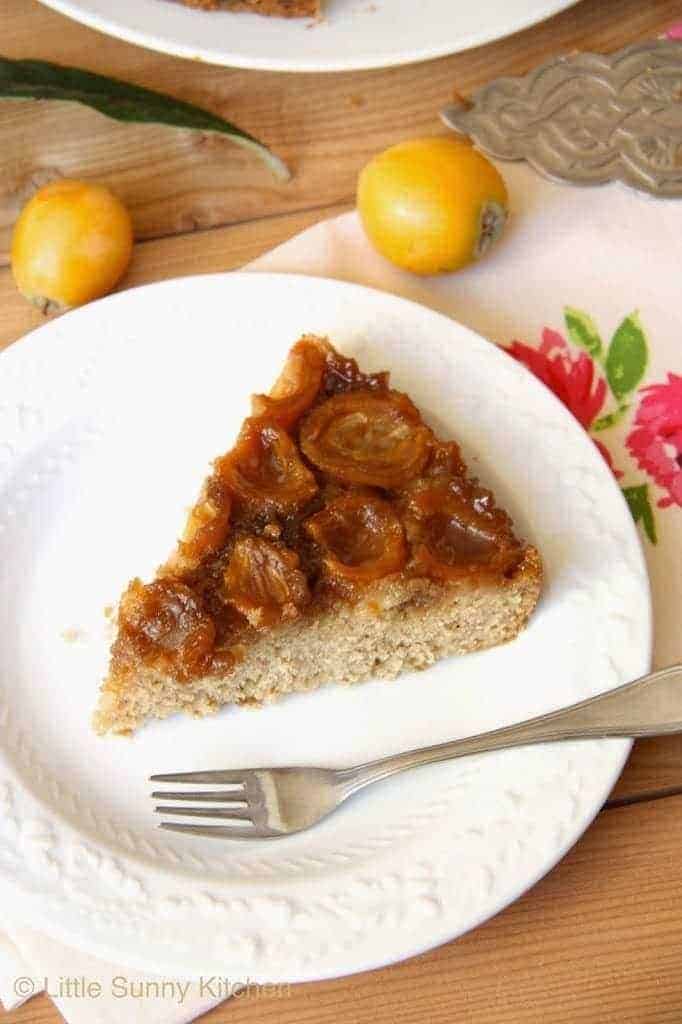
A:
{"x":610,"y":419}
{"x":583,"y":331}
{"x":640,"y":507}
{"x":41,"y":80}
{"x":627,"y":357}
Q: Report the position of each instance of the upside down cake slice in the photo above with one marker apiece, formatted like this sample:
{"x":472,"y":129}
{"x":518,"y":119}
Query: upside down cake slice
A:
{"x":339,"y":539}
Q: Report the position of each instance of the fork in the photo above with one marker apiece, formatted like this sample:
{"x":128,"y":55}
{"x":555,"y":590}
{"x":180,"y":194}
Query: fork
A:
{"x":267,"y":803}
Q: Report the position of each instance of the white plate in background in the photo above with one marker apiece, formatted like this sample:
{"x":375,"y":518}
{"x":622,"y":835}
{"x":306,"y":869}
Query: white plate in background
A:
{"x":354,"y":34}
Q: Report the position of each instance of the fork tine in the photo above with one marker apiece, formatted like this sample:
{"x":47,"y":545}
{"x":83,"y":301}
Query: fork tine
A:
{"x":222,"y":831}
{"x":217,"y":777}
{"x":229,"y":796}
{"x":235,"y":814}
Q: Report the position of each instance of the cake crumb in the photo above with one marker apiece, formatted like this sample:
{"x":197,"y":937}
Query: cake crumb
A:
{"x":73,"y":635}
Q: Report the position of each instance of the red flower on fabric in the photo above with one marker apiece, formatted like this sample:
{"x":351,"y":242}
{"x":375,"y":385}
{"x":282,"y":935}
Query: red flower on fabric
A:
{"x":656,"y":439}
{"x":571,"y":378}
{"x":607,"y":458}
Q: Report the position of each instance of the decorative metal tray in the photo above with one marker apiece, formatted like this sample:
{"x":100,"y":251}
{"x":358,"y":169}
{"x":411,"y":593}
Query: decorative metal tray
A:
{"x":588,"y":119}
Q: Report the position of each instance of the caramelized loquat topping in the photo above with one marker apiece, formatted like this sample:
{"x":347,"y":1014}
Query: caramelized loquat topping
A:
{"x":361,"y":537}
{"x":455,"y":530}
{"x":298,"y":384}
{"x":166,"y":624}
{"x":264,"y":582}
{"x":364,"y":437}
{"x":264,"y":469}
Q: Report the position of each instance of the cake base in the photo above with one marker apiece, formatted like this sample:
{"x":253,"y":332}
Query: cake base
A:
{"x":399,"y":626}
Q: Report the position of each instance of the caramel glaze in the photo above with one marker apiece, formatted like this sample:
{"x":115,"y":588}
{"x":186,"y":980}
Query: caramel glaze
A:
{"x":250,"y":563}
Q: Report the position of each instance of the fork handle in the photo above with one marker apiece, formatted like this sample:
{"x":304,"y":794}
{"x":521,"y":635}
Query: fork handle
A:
{"x":650,"y":706}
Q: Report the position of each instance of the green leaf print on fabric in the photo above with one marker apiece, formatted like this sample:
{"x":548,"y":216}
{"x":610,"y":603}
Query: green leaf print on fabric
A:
{"x":611,"y":418}
{"x":626,"y":358}
{"x":587,"y":379}
{"x":583,"y":332}
{"x":640,"y":507}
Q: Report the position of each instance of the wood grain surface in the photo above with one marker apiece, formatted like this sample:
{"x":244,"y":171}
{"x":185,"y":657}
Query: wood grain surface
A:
{"x":325,"y":126}
{"x":600,"y":939}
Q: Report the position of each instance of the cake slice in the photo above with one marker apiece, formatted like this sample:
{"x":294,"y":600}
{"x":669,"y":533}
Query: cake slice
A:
{"x":339,"y":539}
{"x":273,"y":8}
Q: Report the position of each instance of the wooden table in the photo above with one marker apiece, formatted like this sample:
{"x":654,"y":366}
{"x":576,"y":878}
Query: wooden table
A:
{"x":600,"y":939}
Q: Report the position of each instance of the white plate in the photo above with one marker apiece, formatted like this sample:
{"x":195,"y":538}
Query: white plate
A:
{"x":354,"y":34}
{"x":108,"y":419}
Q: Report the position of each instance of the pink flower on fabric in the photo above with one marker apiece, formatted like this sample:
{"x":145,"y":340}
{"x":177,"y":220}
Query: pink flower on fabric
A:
{"x":656,"y":439}
{"x":571,"y":378}
{"x":675,"y":31}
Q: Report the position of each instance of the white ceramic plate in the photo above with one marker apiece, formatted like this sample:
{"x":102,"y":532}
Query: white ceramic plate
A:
{"x":354,"y":34}
{"x":108,"y":419}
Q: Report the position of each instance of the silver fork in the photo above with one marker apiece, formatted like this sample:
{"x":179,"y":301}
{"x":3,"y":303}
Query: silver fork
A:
{"x":266,"y":803}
